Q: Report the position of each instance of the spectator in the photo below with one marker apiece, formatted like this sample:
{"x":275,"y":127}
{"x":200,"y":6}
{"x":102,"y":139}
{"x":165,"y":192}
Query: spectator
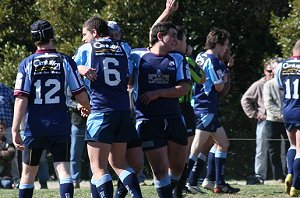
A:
{"x":253,"y":105}
{"x":40,"y":90}
{"x":7,"y":153}
{"x":274,"y":125}
{"x":78,"y":130}
{"x":288,"y":78}
{"x":6,"y":115}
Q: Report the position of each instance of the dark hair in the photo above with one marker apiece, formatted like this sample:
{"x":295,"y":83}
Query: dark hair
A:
{"x":216,"y":36}
{"x":163,"y":28}
{"x":97,"y":23}
{"x":181,"y":31}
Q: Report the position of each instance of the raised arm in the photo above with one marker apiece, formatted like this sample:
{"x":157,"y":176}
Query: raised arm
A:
{"x":171,"y":7}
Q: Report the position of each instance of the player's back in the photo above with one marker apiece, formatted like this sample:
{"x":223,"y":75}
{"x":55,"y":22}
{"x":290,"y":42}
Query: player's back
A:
{"x":43,"y":77}
{"x":110,"y":61}
{"x":290,"y":77}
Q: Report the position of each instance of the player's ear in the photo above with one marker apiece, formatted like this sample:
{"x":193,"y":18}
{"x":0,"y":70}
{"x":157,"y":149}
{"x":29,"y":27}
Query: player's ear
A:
{"x":160,"y":36}
{"x":95,"y":33}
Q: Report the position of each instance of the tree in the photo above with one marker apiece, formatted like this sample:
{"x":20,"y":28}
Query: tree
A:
{"x":286,"y":29}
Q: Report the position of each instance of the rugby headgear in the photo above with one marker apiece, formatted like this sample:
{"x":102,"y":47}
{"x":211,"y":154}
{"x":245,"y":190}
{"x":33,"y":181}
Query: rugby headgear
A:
{"x":41,"y":30}
{"x":113,"y":26}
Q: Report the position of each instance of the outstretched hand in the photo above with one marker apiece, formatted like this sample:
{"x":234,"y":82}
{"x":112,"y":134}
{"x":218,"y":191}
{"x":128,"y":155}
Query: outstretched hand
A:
{"x":171,"y":5}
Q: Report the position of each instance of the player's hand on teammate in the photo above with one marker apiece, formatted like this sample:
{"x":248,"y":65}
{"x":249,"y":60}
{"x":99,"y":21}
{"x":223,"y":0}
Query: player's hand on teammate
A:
{"x":84,"y":111}
{"x":17,"y":141}
{"x":149,"y":96}
{"x":261,"y":117}
{"x":89,"y":73}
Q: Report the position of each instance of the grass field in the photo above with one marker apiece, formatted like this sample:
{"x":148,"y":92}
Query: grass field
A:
{"x":271,"y":189}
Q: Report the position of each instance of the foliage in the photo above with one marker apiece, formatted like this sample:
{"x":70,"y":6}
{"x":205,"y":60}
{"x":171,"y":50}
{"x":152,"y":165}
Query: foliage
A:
{"x":286,"y":29}
{"x":259,"y":29}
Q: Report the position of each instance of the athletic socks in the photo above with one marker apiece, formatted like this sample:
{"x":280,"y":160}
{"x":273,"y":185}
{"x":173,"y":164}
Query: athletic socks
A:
{"x":121,"y":190}
{"x":104,"y":186}
{"x":66,"y":187}
{"x":220,"y":158}
{"x":296,"y":170}
{"x":93,"y":188}
{"x":163,"y":187}
{"x":26,"y":190}
{"x":196,"y":171}
{"x":211,"y":165}
{"x":130,"y":181}
{"x":177,"y":192}
{"x":290,"y":156}
{"x":191,"y":163}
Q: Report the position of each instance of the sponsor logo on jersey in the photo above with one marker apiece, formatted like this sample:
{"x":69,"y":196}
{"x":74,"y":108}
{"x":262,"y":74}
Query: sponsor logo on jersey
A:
{"x":47,"y":64}
{"x":107,"y":49}
{"x":291,"y":68}
{"x":158,"y":78}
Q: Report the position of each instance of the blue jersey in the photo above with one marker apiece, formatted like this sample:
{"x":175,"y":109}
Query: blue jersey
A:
{"x":110,"y":59}
{"x":206,"y":96}
{"x":153,"y":72}
{"x":43,"y":77}
{"x":288,"y":76}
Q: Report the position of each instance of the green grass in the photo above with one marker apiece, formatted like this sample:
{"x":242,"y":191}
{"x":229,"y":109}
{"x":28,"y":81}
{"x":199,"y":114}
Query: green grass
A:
{"x":268,"y":190}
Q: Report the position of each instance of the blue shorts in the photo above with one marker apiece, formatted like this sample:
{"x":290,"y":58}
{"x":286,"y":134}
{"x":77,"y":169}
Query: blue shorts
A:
{"x":189,"y":118}
{"x":58,"y":146}
{"x":290,"y":126}
{"x":109,"y":127}
{"x":155,"y":133}
{"x":208,"y":122}
{"x":134,"y":137}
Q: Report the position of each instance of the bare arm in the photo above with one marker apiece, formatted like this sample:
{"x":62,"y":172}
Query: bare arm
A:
{"x":174,"y":92}
{"x":20,"y":108}
{"x":171,"y":7}
{"x":83,"y":104}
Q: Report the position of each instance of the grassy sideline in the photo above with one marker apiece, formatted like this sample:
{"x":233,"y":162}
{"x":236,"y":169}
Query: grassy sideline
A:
{"x":268,"y":190}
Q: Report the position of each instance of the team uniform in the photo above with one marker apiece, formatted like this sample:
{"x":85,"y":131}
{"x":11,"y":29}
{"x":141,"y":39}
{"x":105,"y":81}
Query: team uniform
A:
{"x":288,"y":77}
{"x":43,"y":77}
{"x":206,"y":97}
{"x":110,"y":115}
{"x":160,"y":120}
{"x":185,"y":101}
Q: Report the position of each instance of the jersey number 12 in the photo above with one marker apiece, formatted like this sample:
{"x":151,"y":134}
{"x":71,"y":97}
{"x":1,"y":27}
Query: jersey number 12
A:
{"x":49,"y":99}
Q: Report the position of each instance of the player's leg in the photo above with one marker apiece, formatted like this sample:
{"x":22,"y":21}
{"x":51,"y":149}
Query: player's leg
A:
{"x":222,"y":141}
{"x":30,"y":166}
{"x":199,"y":141}
{"x":98,"y":155}
{"x":295,"y":189}
{"x":99,"y":137}
{"x":158,"y":161}
{"x":118,"y":159}
{"x":60,"y":150}
{"x":201,"y":162}
{"x":290,"y":156}
{"x":134,"y":156}
{"x":210,"y":178}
